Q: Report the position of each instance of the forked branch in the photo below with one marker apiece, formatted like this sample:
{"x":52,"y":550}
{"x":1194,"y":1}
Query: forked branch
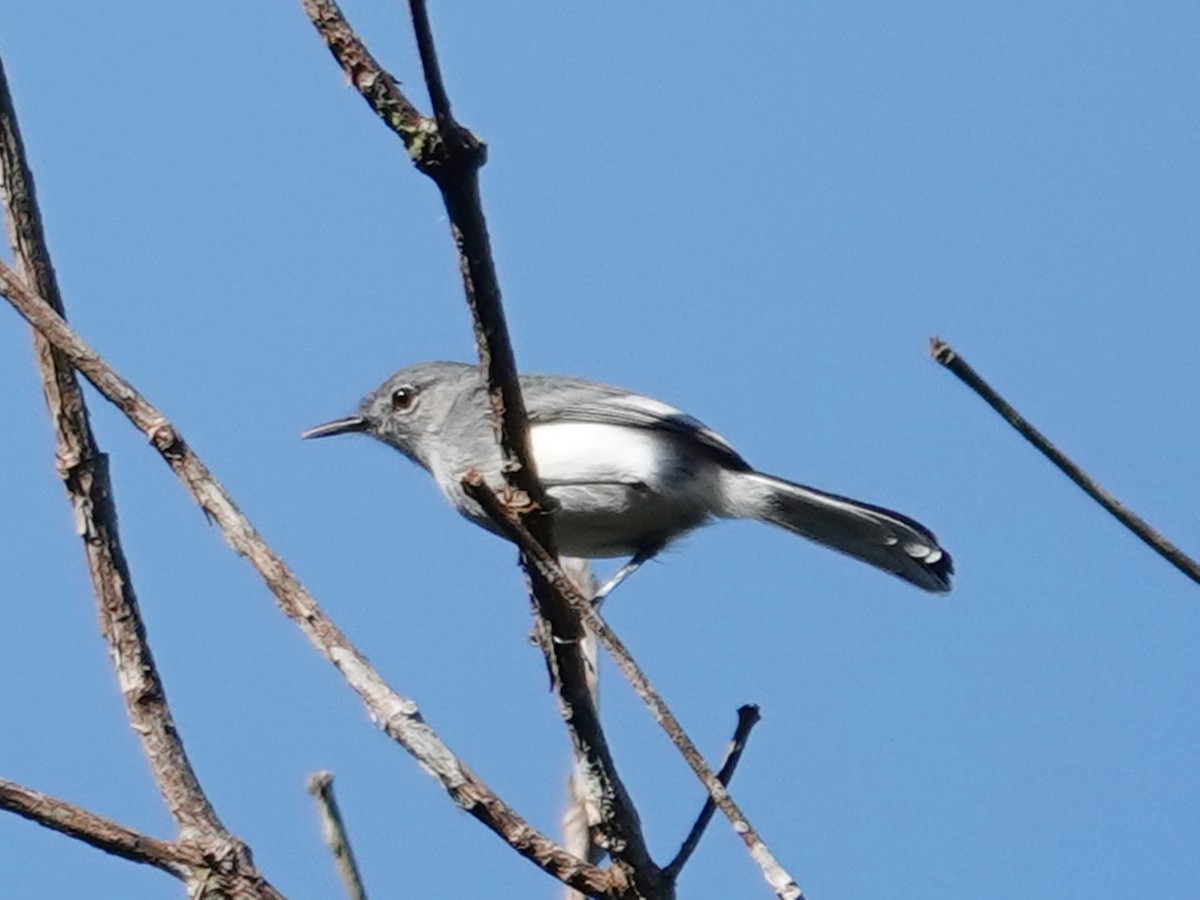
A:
{"x":547,"y":568}
{"x":452,"y":156}
{"x":104,"y":834}
{"x":747,"y":718}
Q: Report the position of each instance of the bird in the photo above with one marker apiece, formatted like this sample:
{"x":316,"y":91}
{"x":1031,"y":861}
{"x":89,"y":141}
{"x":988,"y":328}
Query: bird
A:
{"x":626,"y":474}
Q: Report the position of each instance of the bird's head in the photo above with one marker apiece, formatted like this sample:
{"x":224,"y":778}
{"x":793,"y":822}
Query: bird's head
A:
{"x":408,"y":408}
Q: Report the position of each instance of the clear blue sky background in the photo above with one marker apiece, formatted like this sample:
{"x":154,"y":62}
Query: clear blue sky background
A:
{"x":759,"y":212}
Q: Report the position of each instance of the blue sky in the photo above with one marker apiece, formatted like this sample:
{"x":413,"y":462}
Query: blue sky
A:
{"x":758,"y":213}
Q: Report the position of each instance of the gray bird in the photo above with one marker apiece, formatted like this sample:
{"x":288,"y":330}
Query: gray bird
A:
{"x":629,"y":474}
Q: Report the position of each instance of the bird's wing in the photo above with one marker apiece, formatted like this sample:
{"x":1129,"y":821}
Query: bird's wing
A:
{"x":587,"y":402}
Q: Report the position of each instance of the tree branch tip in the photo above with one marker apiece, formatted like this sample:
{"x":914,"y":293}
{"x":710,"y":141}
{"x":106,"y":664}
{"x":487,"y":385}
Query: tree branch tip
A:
{"x":319,"y":782}
{"x":941,"y":352}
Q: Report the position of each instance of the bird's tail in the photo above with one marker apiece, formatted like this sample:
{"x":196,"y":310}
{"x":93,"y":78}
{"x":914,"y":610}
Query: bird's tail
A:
{"x":878,"y":536}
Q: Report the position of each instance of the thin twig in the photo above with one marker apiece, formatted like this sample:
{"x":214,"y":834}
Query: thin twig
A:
{"x":547,"y":568}
{"x":452,"y":157}
{"x":84,"y":471}
{"x":178,"y":859}
{"x":397,"y":716}
{"x":427,"y":50}
{"x":333,"y":830}
{"x":747,"y":718}
{"x":949,"y":358}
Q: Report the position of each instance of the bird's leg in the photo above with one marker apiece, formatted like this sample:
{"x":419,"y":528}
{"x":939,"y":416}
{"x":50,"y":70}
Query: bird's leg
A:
{"x":642,"y":556}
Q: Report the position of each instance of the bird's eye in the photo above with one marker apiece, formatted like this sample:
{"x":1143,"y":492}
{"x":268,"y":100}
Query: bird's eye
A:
{"x":404,"y":398}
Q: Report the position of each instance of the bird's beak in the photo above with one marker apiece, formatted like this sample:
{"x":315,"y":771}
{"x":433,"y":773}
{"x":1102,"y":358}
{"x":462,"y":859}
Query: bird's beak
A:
{"x":338,"y":426}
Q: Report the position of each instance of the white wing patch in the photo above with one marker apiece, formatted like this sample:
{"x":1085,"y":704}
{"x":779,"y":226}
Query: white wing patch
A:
{"x":582,"y":452}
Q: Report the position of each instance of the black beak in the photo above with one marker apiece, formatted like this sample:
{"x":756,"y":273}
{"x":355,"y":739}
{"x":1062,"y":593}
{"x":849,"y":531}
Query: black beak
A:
{"x":347,"y":425}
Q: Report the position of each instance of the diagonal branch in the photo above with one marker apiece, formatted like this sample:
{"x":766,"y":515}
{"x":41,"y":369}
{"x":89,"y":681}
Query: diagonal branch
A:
{"x":84,"y":471}
{"x":547,"y":568}
{"x":178,"y":859}
{"x":945,"y":355}
{"x":397,"y":716}
{"x":747,"y":718}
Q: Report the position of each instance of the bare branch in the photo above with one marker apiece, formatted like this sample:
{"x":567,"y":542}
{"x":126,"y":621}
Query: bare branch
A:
{"x":395,"y":715}
{"x":213,"y":869}
{"x":451,"y":156}
{"x":747,"y":718}
{"x":453,"y":159}
{"x":547,"y":568}
{"x":333,"y":829}
{"x":104,"y":834}
{"x":84,"y":471}
{"x":380,"y":90}
{"x":945,"y":355}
